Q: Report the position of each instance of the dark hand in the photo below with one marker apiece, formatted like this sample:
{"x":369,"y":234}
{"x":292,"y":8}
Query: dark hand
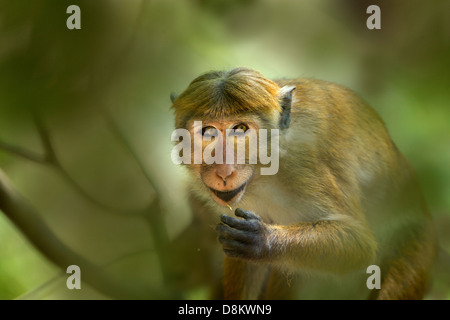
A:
{"x":245,"y":238}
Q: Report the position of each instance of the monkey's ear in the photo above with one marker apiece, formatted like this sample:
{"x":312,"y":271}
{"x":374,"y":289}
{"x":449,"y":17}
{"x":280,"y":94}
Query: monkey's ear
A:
{"x":173,"y":97}
{"x":286,"y":101}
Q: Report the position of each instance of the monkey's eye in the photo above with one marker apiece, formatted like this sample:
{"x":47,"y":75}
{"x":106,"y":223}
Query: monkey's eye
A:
{"x":209,"y":131}
{"x":240,"y":128}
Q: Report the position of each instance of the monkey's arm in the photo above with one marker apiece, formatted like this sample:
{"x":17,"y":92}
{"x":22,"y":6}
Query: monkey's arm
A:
{"x":327,"y":245}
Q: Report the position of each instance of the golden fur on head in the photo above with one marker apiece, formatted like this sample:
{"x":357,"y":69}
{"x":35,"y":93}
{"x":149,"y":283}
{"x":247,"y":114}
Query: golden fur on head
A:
{"x":220,"y":94}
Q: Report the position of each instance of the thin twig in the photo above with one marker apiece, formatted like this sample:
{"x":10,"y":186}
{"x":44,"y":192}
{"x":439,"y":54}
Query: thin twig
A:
{"x":34,"y":157}
{"x":53,"y":159}
{"x":49,"y":151}
{"x":123,"y":140}
{"x":154,"y":215}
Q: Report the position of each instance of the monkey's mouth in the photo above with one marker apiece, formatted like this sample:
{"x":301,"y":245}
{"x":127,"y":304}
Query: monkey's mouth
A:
{"x":227,"y":196}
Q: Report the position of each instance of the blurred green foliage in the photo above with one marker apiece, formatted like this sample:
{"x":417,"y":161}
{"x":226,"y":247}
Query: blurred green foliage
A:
{"x":125,"y":61}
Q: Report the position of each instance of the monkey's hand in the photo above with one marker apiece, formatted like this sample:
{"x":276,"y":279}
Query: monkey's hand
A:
{"x":246,"y":238}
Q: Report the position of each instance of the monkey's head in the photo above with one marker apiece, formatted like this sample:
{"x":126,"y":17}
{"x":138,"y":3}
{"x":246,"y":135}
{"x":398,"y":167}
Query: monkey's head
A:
{"x":222,"y":110}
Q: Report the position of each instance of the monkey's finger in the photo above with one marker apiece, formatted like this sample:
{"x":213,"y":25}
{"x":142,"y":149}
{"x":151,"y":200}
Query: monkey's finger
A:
{"x":246,"y":214}
{"x":225,"y":232}
{"x":236,"y":249}
{"x":249,"y":225}
{"x":241,"y":250}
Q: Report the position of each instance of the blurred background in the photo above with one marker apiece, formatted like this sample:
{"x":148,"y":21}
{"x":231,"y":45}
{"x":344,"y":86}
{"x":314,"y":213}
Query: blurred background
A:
{"x":85,"y":124}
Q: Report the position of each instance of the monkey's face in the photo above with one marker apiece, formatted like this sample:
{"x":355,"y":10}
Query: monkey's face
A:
{"x":225,"y":171}
{"x":241,"y":100}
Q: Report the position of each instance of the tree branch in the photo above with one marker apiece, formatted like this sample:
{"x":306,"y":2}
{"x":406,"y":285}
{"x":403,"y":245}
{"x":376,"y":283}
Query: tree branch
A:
{"x":25,"y":217}
{"x":50,"y":158}
{"x":36,"y":230}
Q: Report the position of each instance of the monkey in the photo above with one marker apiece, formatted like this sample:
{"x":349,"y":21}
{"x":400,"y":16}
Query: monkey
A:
{"x":344,"y":197}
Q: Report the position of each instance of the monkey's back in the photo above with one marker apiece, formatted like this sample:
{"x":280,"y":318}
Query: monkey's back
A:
{"x":341,"y":136}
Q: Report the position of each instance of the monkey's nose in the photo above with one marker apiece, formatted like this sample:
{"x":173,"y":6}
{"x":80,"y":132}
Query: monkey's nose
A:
{"x":224,"y":171}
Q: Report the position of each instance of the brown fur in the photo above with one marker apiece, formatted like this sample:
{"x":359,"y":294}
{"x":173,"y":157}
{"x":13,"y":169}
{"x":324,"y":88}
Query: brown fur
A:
{"x":218,"y":95}
{"x":344,"y":196}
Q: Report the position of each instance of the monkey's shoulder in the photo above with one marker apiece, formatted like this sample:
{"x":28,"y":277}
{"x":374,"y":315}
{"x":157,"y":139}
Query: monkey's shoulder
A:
{"x":327,"y":99}
{"x":335,"y":118}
